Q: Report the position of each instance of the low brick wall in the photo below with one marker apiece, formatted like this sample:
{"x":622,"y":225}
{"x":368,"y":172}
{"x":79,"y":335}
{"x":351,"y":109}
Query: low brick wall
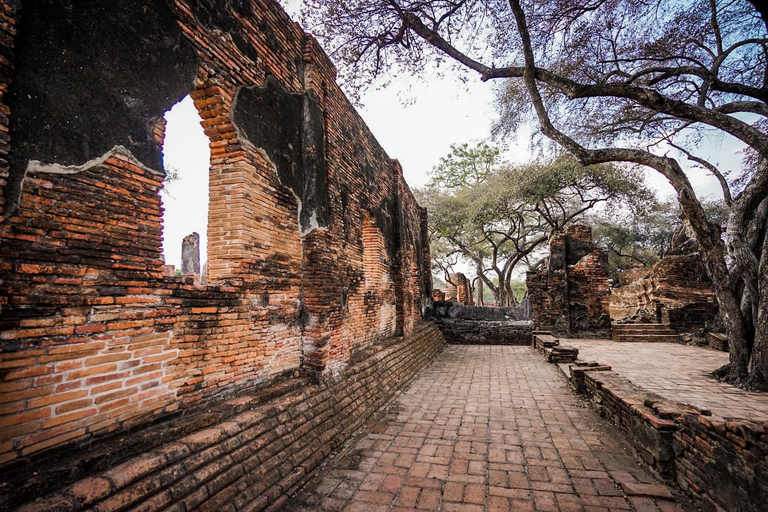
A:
{"x":256,"y":457}
{"x":721,"y":463}
{"x":483,"y":332}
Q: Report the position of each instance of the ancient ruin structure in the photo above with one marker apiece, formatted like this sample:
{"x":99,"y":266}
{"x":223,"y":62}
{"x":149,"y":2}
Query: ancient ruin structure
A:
{"x":676,"y":290}
{"x":482,"y":325}
{"x":125,"y":387}
{"x":458,"y":289}
{"x":190,"y":254}
{"x":570,"y":292}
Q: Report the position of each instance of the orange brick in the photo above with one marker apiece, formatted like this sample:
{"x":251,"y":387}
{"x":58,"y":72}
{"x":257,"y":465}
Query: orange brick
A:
{"x":24,"y":417}
{"x":74,"y":405}
{"x":33,"y":371}
{"x":17,"y":396}
{"x":93,"y":370}
{"x":66,"y":418}
{"x":53,"y":441}
{"x":56,"y":399}
{"x":115,"y":395}
{"x":109,"y":358}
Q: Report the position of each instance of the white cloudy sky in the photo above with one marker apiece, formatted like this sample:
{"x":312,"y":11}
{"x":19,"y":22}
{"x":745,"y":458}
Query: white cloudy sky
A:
{"x":417,"y":134}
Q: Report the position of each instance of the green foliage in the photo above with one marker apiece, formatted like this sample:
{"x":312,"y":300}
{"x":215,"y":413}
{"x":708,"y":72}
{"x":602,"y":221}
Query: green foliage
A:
{"x":501,"y":218}
{"x":519,"y":288}
{"x":642,"y":237}
{"x":465,"y":165}
{"x":171,"y":176}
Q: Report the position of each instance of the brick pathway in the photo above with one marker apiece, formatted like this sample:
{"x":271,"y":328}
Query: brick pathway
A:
{"x":486,"y":429}
{"x":677,"y":372}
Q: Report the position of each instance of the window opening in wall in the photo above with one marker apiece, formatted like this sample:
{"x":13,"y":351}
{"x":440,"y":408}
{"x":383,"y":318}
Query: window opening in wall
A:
{"x":187,"y":157}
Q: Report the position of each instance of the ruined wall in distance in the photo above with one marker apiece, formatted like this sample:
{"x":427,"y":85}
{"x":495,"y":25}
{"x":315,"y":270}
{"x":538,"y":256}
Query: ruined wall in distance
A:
{"x":570,"y":294}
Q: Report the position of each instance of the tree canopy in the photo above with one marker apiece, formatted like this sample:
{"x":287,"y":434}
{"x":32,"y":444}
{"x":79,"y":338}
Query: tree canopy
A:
{"x":501,"y":221}
{"x":635,"y":81}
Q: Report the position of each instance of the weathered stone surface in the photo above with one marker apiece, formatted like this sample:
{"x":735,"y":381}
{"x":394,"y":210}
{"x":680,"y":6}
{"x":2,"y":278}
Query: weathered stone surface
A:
{"x":486,"y":428}
{"x":458,"y":289}
{"x":676,"y":290}
{"x":720,"y":462}
{"x":74,"y":99}
{"x":476,"y":325}
{"x":206,"y":462}
{"x":190,"y":254}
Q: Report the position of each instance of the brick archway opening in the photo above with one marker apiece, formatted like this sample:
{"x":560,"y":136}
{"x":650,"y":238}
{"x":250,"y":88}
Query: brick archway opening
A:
{"x":186,"y":157}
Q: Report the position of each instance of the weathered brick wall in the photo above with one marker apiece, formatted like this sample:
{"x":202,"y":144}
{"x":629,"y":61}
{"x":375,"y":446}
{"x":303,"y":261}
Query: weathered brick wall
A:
{"x":94,"y":338}
{"x":570,"y":293}
{"x":460,"y":290}
{"x":720,"y":462}
{"x":263,"y":446}
{"x":675,"y":290}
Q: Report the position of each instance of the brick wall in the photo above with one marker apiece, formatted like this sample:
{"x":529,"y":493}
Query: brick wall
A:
{"x":570,"y":293}
{"x":95,"y":339}
{"x":720,"y":462}
{"x":261,"y":449}
{"x":460,"y":291}
{"x":675,"y":290}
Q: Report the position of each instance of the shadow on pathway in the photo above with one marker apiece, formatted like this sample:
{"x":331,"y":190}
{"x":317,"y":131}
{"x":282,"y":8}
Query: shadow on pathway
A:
{"x":487,"y":428}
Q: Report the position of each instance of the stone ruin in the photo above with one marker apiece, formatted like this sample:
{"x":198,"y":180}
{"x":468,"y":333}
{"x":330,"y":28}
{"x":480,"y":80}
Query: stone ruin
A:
{"x":123,"y":384}
{"x":124,"y":387}
{"x":462,"y":322}
{"x":458,"y":289}
{"x":676,"y":290}
{"x":570,"y":292}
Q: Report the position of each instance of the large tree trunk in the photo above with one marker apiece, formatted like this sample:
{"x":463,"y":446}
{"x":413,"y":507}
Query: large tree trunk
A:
{"x":480,"y":301}
{"x":746,"y":319}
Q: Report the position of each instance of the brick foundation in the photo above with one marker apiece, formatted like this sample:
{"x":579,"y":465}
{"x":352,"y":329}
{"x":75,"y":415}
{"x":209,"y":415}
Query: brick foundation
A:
{"x":719,"y":462}
{"x":260,"y":452}
{"x":676,"y":290}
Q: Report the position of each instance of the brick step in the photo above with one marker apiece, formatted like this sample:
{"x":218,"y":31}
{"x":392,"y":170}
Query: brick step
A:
{"x":635,"y":332}
{"x":642,"y":332}
{"x":647,"y":338}
{"x":648,"y":327}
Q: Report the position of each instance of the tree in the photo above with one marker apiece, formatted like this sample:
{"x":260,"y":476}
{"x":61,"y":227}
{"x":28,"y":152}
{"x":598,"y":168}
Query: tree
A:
{"x":465,"y":165}
{"x":501,"y":221}
{"x":636,"y":81}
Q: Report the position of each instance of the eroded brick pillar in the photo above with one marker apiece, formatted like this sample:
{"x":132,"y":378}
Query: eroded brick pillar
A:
{"x":190,"y":254}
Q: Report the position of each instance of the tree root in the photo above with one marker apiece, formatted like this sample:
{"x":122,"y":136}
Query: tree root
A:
{"x":740,"y":379}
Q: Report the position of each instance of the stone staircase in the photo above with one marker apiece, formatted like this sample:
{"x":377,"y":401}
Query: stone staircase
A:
{"x":645,"y":333}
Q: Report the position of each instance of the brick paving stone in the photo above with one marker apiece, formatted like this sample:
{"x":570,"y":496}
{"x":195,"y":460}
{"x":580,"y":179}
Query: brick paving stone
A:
{"x":677,"y":372}
{"x":486,"y":428}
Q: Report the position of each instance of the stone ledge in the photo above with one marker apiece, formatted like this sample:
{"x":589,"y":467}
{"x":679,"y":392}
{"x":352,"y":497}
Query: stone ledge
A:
{"x":547,"y":344}
{"x":256,"y":457}
{"x":484,"y":332}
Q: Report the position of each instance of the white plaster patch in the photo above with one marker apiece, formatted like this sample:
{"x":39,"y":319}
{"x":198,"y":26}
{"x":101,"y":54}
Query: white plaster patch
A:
{"x":55,"y":168}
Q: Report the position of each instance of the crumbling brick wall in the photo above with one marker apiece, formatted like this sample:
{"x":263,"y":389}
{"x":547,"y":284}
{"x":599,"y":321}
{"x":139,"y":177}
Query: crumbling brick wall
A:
{"x":675,"y":290}
{"x":571,"y":293}
{"x":94,"y":337}
{"x":458,"y":288}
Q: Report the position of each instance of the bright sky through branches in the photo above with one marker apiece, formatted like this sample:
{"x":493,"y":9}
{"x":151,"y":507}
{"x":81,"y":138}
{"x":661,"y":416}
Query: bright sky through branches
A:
{"x":442,"y":112}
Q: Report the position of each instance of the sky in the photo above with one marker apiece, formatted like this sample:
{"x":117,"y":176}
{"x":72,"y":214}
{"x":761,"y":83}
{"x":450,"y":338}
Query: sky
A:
{"x":417,"y":133}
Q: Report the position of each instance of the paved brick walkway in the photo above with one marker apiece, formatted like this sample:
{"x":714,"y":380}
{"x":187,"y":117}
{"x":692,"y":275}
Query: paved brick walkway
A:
{"x":486,"y":429}
{"x":677,"y":372}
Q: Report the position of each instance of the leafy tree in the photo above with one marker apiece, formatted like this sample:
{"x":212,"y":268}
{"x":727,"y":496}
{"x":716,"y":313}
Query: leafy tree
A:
{"x":642,"y":237}
{"x":465,"y":165}
{"x":505,"y":219}
{"x":636,"y":81}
